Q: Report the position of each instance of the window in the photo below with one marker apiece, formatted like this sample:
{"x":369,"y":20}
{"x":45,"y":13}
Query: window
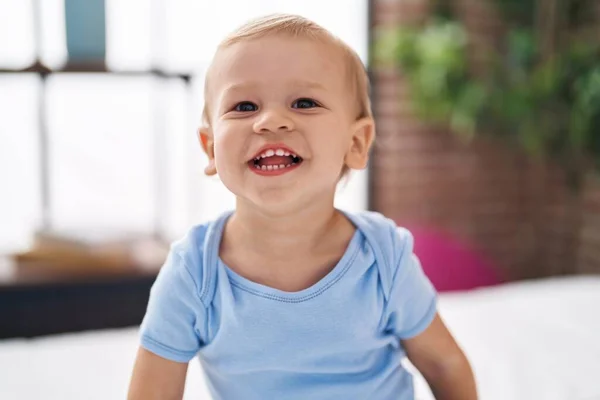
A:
{"x":121,"y":149}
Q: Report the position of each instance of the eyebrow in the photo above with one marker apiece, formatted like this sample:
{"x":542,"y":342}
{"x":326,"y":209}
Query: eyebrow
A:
{"x":234,"y":87}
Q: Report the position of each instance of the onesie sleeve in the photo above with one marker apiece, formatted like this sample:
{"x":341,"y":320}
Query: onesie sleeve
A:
{"x":412,"y":303}
{"x":175,"y":315}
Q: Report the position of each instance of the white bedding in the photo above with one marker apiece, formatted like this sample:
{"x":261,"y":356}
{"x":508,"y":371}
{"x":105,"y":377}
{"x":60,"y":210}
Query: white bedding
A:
{"x":536,"y":340}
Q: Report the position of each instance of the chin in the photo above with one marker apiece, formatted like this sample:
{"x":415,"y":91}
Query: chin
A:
{"x":272,"y":202}
{"x":277,"y":200}
{"x":282,"y":197}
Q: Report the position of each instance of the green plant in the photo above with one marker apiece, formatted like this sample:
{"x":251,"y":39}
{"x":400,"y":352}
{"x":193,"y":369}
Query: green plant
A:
{"x":542,"y":90}
{"x":433,"y":58}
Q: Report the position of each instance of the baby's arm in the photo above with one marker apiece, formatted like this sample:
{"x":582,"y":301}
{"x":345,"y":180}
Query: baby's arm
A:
{"x":170,"y":332}
{"x":412,"y":316}
{"x":435,"y":353}
{"x":155,"y":377}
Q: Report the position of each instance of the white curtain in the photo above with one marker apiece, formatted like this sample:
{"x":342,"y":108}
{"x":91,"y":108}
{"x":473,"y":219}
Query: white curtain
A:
{"x":123,"y":155}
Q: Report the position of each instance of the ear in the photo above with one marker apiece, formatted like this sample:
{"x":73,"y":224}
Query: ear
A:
{"x":206,"y":140}
{"x":363,"y":134}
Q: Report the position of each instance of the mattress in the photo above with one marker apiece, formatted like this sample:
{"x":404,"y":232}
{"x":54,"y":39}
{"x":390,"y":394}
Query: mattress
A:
{"x":526,"y":341}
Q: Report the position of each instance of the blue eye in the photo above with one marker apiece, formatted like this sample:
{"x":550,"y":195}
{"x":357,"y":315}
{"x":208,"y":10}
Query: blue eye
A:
{"x":304,"y":103}
{"x":245,"y":106}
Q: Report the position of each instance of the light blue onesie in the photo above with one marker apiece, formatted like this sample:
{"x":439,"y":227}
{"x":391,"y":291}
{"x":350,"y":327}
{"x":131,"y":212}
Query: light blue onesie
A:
{"x":339,"y":339}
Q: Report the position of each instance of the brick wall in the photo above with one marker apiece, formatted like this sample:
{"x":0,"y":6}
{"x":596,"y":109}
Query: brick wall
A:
{"x":517,"y":211}
{"x":589,"y":234}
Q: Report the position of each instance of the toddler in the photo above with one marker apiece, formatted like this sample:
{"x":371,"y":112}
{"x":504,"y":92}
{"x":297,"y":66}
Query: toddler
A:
{"x":287,"y":297}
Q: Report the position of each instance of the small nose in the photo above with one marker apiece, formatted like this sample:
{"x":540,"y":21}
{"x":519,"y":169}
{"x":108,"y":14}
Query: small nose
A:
{"x":273,"y":121}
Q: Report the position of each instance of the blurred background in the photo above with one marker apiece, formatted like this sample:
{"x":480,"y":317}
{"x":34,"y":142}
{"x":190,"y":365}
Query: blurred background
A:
{"x":487,"y":148}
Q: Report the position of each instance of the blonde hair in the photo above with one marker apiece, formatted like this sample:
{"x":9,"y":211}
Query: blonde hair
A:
{"x":299,"y":27}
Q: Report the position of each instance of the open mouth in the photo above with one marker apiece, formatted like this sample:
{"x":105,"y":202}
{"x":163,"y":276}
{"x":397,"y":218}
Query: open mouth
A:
{"x":275,"y":160}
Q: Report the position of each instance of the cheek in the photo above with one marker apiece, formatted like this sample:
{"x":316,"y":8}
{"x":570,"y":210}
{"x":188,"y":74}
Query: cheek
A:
{"x":330,"y":151}
{"x":226,"y":160}
{"x":227,"y":149}
{"x":331,"y":141}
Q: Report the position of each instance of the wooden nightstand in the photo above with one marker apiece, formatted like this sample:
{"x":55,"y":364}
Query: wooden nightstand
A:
{"x":37,"y":301}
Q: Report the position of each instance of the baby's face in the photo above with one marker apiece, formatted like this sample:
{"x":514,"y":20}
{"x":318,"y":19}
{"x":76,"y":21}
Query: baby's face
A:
{"x":282,"y":117}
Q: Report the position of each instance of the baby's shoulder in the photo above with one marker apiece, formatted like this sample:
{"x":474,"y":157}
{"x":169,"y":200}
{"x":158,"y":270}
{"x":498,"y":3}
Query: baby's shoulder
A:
{"x":383,"y":232}
{"x":380,"y":226}
{"x":190,"y":247}
{"x":197,"y":253}
{"x":391,"y":244}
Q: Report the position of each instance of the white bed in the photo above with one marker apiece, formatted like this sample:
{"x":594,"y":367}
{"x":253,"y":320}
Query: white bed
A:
{"x":537,"y":340}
